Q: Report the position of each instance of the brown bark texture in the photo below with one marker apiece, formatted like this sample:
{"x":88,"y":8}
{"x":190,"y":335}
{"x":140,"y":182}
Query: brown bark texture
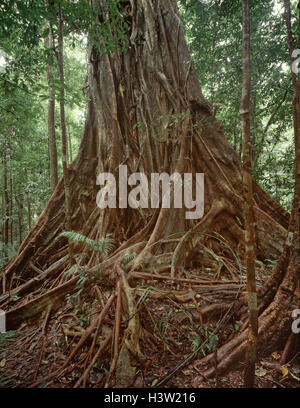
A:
{"x":249,"y":374}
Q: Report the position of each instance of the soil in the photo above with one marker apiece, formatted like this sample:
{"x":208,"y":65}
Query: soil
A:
{"x":175,"y":337}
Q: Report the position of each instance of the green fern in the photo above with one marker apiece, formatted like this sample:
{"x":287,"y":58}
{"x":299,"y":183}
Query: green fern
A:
{"x":128,"y":258}
{"x":76,"y":269}
{"x":104,"y":246}
{"x":7,"y":336}
{"x":84,"y":276}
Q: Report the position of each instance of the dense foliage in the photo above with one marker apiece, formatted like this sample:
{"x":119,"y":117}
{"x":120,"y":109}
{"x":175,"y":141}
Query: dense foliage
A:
{"x":213,"y":31}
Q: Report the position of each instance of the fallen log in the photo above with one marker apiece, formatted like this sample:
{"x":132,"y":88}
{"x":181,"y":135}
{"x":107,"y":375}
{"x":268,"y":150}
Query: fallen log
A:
{"x":52,"y":271}
{"x":31,"y":309}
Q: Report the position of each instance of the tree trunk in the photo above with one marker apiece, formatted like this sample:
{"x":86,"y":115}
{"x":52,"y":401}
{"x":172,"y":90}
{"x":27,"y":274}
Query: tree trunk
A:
{"x":248,"y":197}
{"x":11,"y":226}
{"x":20,"y":225}
{"x":51,"y":120}
{"x":60,"y":59}
{"x":28,"y":211}
{"x":147,"y":111}
{"x":5,"y":194}
{"x":70,"y":153}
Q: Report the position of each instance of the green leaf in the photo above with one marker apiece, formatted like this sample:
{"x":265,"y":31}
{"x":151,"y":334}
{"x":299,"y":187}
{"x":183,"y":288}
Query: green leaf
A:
{"x":45,"y":33}
{"x":213,"y":341}
{"x":294,"y":376}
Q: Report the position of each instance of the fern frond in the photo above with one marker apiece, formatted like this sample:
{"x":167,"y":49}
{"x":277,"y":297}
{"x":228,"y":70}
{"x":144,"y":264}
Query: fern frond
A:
{"x":76,"y":269}
{"x":104,"y":246}
{"x":128,"y":258}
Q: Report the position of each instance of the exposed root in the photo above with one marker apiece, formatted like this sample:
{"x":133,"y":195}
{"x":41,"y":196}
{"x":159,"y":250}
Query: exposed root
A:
{"x":274,"y":326}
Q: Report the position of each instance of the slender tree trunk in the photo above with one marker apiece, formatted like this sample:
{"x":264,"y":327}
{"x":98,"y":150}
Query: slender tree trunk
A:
{"x":5,"y":194}
{"x":213,"y":63}
{"x":20,"y":228}
{"x":60,"y":58}
{"x":266,"y":128}
{"x":11,"y":227}
{"x":2,"y":215}
{"x":70,"y":153}
{"x":51,"y":120}
{"x":70,"y":146}
{"x":28,"y":211}
{"x":249,"y":374}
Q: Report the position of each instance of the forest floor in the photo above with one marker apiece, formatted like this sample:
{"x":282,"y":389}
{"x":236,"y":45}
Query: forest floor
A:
{"x":174,"y":338}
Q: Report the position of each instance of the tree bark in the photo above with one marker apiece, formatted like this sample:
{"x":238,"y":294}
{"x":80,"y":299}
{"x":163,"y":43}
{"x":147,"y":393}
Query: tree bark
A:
{"x":11,"y":226}
{"x":28,"y":211}
{"x":5,"y":194}
{"x":51,"y":119}
{"x":70,"y":152}
{"x":20,"y":224}
{"x":249,"y":375}
{"x":60,"y":59}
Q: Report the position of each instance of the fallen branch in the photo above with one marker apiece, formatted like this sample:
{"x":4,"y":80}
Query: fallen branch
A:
{"x":31,"y":309}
